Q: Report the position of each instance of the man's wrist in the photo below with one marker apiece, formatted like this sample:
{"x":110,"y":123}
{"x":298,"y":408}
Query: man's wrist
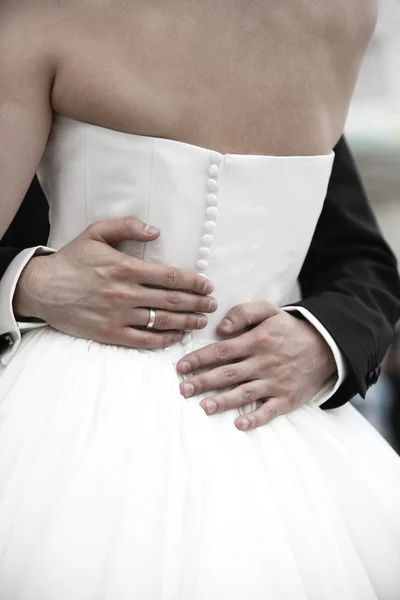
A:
{"x":9,"y":327}
{"x":328,"y":363}
{"x":26,"y":299}
{"x":328,"y":366}
{"x":339,"y":375}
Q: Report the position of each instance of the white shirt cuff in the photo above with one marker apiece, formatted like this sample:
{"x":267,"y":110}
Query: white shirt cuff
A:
{"x":8,"y":283}
{"x":333,"y":383}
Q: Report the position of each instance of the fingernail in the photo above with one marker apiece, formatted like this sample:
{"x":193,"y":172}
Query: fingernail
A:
{"x":213,"y":305}
{"x":245,"y":424}
{"x":211,"y":406}
{"x":150,"y":230}
{"x":202,"y":321}
{"x":184,"y":367}
{"x":208,"y":288}
{"x":227,"y":324}
{"x":188,"y":390}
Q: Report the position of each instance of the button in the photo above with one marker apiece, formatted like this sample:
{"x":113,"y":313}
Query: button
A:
{"x":373,"y":376}
{"x":6,"y":341}
{"x":210,"y":227}
{"x":212,"y":200}
{"x":204,"y":252}
{"x":212,"y":212}
{"x":212,"y":185}
{"x":167,"y":349}
{"x":214,"y":170}
{"x":186,"y":338}
{"x":201,"y":265}
{"x":216,"y":157}
{"x":207,"y":240}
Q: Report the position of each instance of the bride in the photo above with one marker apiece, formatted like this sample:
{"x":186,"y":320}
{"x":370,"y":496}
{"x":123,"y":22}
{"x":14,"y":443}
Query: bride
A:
{"x":144,"y":473}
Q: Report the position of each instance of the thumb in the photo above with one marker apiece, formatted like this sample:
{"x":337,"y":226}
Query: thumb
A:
{"x":118,"y":230}
{"x":245,"y":315}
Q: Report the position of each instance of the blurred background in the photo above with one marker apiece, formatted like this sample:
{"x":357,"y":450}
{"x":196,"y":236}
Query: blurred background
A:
{"x":373,"y":131}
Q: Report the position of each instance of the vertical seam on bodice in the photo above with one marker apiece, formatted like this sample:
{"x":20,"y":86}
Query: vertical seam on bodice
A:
{"x":149,"y":194}
{"x":88,"y":218}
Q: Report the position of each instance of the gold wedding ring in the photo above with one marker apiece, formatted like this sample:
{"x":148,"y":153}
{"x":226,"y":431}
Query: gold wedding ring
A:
{"x":152,"y":319}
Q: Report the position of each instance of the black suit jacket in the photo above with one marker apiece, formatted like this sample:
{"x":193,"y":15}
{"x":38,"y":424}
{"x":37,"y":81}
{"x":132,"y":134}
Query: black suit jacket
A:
{"x":349,"y":279}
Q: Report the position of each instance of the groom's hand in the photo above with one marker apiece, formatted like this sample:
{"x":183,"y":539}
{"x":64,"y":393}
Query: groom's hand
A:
{"x":281,"y":361}
{"x":89,"y":289}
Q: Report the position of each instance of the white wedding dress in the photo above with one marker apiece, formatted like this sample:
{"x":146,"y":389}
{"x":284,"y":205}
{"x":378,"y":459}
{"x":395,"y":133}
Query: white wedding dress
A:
{"x":112,"y":485}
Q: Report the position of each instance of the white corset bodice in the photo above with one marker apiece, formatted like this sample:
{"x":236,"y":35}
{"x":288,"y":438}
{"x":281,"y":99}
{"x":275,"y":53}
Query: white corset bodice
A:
{"x":244,"y":221}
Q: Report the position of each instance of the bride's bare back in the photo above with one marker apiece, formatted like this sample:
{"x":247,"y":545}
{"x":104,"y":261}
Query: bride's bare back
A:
{"x":239,"y":76}
{"x":249,"y":76}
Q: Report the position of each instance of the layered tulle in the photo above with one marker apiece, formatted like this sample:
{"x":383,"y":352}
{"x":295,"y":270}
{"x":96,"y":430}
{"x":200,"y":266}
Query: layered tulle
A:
{"x":114,"y":487}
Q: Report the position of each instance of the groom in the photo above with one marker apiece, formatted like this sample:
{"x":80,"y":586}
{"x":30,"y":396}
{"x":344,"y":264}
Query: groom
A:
{"x":349,"y":281}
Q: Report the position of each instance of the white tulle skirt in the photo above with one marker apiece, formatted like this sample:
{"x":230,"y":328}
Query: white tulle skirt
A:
{"x":114,"y":487}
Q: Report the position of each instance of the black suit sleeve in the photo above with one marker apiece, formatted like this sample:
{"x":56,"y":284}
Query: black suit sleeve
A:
{"x":7,"y":255}
{"x":349,"y":279}
{"x":29,"y":228}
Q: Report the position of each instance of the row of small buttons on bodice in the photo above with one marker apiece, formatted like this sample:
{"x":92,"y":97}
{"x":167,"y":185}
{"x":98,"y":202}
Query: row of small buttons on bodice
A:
{"x":210,"y":223}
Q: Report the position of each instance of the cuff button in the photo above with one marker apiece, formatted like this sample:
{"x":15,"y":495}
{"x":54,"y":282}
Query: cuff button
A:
{"x":373,"y":376}
{"x":6,"y":341}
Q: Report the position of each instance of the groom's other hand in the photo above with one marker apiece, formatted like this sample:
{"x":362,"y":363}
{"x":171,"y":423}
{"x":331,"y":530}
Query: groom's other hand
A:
{"x":276,"y":359}
{"x":89,"y":289}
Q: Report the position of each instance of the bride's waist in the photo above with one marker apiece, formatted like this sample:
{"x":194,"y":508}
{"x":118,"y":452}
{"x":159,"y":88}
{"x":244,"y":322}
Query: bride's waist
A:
{"x":190,"y":342}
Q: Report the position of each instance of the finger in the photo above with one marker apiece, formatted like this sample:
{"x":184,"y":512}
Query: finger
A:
{"x":117,"y":230}
{"x":218,"y":378}
{"x":267,"y":412}
{"x":147,"y":339}
{"x":241,"y":395}
{"x":246,"y":315}
{"x":214,"y":354}
{"x":175,"y":301}
{"x":169,"y":320}
{"x":172,"y":278}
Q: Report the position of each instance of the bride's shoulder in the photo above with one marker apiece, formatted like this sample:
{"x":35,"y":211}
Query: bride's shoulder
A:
{"x":36,"y":28}
{"x":25,"y":16}
{"x":354,"y":19}
{"x":39,"y":13}
{"x":27,"y":30}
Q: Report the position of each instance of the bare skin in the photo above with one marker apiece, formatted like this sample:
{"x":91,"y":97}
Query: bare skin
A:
{"x":237,"y":76}
{"x":259,"y":77}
